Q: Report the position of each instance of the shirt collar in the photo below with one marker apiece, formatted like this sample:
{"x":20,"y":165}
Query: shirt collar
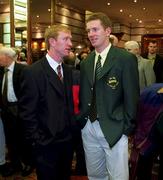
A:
{"x":54,"y":64}
{"x":11,"y":67}
{"x":103,"y":54}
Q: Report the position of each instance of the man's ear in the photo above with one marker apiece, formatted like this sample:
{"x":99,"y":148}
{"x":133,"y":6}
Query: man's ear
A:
{"x":108,"y":31}
{"x":52,"y":41}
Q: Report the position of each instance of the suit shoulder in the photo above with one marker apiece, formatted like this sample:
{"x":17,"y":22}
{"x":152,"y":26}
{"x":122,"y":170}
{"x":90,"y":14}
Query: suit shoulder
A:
{"x":124,"y":55}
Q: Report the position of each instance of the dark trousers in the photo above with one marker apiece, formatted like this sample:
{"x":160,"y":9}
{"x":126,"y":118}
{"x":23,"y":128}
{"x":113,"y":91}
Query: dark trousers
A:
{"x":145,"y":165}
{"x":80,"y":168}
{"x":18,"y":150}
{"x":161,"y":163}
{"x":53,"y":161}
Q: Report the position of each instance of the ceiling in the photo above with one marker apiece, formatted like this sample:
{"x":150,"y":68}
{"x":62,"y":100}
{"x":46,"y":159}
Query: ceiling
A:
{"x":133,"y":12}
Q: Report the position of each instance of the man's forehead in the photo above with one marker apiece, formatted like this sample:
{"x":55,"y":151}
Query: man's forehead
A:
{"x":152,"y":44}
{"x":93,"y":22}
{"x":64,"y":33}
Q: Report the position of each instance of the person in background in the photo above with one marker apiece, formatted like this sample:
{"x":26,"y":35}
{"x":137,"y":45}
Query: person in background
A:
{"x":22,"y":58}
{"x":78,"y":151}
{"x":148,"y":134}
{"x":155,"y":59}
{"x":146,"y":73}
{"x":113,"y":39}
{"x":108,"y":102}
{"x":4,"y":169}
{"x":46,"y":107}
{"x":3,"y":165}
{"x":82,"y":55}
{"x":18,"y":150}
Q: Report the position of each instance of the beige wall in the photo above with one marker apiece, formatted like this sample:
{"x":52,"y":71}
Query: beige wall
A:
{"x":136,"y":31}
{"x":74,"y":18}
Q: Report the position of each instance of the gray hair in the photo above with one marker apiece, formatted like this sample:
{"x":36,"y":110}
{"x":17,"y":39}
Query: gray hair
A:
{"x":131,"y":45}
{"x":8,"y":52}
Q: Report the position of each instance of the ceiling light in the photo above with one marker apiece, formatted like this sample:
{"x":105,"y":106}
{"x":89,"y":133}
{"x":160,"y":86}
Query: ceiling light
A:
{"x":37,"y":16}
{"x":135,"y":1}
{"x":140,"y":21}
{"x":137,"y":19}
{"x":121,"y":10}
{"x":49,"y":10}
{"x":108,"y":3}
{"x":130,"y":15}
{"x":160,"y":20}
{"x":144,"y":8}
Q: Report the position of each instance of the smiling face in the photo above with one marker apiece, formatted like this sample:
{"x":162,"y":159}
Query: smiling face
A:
{"x":98,"y":35}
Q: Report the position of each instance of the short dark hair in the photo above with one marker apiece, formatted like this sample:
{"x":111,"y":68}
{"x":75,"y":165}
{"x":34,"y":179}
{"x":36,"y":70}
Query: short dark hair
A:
{"x":152,"y":41}
{"x":104,"y":19}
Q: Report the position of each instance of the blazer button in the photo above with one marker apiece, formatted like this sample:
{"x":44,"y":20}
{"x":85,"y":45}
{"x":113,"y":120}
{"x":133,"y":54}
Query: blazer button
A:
{"x":89,"y":104}
{"x":92,"y":89}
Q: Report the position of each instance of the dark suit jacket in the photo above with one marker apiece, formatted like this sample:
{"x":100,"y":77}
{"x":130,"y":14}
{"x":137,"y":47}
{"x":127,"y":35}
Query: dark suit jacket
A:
{"x":117,"y":93}
{"x":16,"y":79}
{"x":46,"y":104}
{"x":157,"y":67}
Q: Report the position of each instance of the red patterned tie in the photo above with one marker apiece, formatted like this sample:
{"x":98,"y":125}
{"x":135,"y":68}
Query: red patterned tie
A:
{"x":59,"y":72}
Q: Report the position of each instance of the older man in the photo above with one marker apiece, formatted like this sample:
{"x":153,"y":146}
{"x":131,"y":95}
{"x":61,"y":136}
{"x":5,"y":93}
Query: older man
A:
{"x":146,"y":73}
{"x":10,"y":87}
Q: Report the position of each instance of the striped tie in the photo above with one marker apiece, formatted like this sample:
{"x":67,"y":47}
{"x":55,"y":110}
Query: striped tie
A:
{"x":98,"y":68}
{"x":93,"y":108}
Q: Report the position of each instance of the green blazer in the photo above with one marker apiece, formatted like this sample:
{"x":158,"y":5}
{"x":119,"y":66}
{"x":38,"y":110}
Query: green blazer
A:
{"x":117,"y":93}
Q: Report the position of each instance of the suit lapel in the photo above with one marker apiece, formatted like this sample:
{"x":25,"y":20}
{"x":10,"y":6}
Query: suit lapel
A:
{"x":90,"y":67}
{"x":53,"y":77}
{"x":109,"y":62}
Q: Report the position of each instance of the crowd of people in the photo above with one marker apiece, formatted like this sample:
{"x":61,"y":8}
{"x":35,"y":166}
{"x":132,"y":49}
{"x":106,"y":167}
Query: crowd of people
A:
{"x":88,"y":106}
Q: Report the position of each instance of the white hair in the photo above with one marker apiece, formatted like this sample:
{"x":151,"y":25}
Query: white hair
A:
{"x":8,"y":52}
{"x":113,"y":39}
{"x":131,"y":45}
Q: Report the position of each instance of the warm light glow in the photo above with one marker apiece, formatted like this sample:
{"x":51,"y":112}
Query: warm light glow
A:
{"x":160,"y":20}
{"x":108,"y":3}
{"x":35,"y":45}
{"x":43,"y":45}
{"x":79,"y":46}
{"x":121,"y":10}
